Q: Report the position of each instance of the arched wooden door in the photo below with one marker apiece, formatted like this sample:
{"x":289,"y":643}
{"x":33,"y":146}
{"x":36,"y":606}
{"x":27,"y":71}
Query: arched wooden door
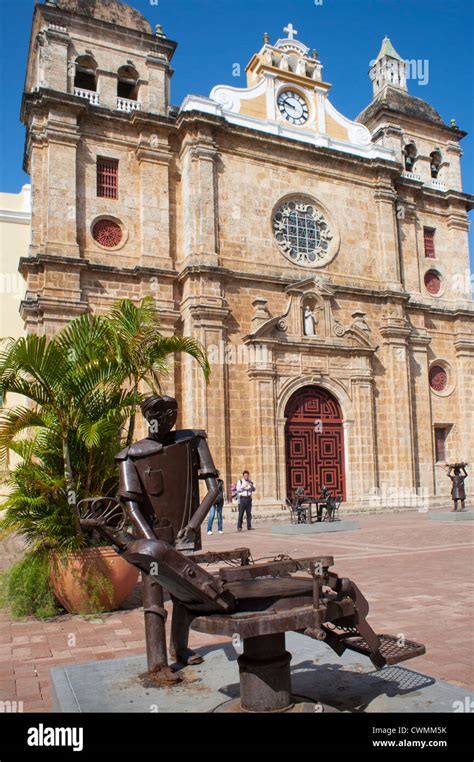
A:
{"x":314,"y":441}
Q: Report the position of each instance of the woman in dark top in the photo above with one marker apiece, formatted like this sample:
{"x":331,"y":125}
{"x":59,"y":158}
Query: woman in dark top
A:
{"x":218,"y":506}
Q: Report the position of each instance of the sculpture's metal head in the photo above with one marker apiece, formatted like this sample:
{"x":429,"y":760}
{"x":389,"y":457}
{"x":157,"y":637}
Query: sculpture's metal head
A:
{"x":161,"y":414}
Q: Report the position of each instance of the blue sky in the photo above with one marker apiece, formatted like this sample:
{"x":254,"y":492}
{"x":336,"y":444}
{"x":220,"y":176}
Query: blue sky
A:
{"x":214,"y":35}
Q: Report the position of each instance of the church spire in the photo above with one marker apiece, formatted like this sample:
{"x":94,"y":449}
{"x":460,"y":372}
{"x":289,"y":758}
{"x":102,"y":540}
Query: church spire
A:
{"x":388,"y":69}
{"x":387,"y":49}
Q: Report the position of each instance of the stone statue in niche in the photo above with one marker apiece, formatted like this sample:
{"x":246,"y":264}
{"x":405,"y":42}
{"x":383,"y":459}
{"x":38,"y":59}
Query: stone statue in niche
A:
{"x":309,"y":321}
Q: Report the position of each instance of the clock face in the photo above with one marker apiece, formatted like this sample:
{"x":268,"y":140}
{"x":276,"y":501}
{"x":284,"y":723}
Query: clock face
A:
{"x":293,"y":107}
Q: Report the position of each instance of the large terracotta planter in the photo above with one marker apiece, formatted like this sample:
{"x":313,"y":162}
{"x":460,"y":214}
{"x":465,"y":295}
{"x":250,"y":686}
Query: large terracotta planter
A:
{"x":91,"y":580}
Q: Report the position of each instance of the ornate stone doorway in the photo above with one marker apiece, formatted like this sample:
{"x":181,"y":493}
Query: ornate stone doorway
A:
{"x":314,"y":442}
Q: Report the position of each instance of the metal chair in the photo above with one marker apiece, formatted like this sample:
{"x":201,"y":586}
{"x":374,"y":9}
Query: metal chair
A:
{"x":260,"y":603}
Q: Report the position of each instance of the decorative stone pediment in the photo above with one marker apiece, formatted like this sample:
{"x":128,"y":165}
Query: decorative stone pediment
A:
{"x":287,"y":96}
{"x":309,"y":319}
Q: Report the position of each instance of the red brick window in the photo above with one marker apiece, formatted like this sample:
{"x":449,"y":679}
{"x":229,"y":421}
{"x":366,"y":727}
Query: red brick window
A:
{"x":107,"y":177}
{"x":441,"y":434}
{"x":429,"y":239}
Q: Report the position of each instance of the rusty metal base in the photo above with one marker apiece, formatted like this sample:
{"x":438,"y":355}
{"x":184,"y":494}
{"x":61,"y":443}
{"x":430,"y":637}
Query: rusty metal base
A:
{"x":299,"y":705}
{"x":160,"y":676}
{"x":265,"y":680}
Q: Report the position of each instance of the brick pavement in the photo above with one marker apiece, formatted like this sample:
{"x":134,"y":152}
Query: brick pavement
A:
{"x":416,"y":574}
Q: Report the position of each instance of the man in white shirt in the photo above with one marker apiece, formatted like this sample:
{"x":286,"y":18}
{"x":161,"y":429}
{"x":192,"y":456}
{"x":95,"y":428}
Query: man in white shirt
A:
{"x":245,"y":487}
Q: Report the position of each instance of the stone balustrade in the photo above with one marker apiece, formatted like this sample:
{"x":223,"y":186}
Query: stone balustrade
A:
{"x":89,"y":95}
{"x":127,"y":105}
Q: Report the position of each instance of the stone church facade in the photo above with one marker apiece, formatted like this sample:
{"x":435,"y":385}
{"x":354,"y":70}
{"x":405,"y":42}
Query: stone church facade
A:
{"x":322,"y":261}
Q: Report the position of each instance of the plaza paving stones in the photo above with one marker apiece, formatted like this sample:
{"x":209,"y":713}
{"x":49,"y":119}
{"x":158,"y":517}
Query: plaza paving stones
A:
{"x":315,"y":528}
{"x":417,"y":575}
{"x":350,"y":685}
{"x":452,"y":515}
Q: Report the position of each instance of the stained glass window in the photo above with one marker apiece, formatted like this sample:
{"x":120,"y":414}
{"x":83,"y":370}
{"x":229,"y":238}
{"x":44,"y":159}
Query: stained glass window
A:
{"x":302,"y":232}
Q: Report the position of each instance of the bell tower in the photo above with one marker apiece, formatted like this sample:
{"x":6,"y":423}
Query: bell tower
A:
{"x":388,"y":69}
{"x":97,"y":112}
{"x":102,"y":52}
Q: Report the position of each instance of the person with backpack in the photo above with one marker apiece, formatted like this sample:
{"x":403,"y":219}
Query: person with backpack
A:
{"x":245,"y":488}
{"x":217,"y":508}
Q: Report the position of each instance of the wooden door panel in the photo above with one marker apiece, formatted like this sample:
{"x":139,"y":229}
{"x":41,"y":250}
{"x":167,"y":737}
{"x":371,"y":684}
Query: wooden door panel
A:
{"x":314,"y":443}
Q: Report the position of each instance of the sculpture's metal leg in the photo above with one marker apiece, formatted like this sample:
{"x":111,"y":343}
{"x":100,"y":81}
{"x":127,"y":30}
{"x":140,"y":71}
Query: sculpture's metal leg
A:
{"x":265,"y":680}
{"x":180,"y":624}
{"x":155,"y":633}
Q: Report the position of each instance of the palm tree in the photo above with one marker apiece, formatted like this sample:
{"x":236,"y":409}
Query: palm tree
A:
{"x":75,"y":400}
{"x":83,"y":386}
{"x":142,"y":352}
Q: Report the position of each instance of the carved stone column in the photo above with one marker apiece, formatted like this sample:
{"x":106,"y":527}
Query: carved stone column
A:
{"x":410,"y":241}
{"x":157,"y":97}
{"x":263,"y":377}
{"x":154,"y":159}
{"x":205,"y":406}
{"x":364,"y":469}
{"x":394,"y":411}
{"x":53,"y":69}
{"x":199,"y":200}
{"x":421,"y":413}
{"x":385,"y":198}
{"x":62,"y":137}
{"x":464,"y":346}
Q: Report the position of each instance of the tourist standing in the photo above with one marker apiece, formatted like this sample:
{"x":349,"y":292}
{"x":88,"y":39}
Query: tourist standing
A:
{"x":217,"y":508}
{"x":245,"y":488}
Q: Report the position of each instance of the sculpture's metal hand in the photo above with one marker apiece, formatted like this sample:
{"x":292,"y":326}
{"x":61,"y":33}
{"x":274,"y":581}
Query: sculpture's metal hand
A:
{"x":186,"y":538}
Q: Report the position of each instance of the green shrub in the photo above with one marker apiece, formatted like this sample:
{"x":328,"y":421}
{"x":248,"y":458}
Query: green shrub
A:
{"x":26,"y":588}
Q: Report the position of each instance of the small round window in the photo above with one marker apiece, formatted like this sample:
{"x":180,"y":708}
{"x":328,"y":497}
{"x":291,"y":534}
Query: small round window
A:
{"x":433,"y":282}
{"x":107,"y":233}
{"x":438,"y":378}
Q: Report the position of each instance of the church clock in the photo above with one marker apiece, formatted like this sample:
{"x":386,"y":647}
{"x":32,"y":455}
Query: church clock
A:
{"x":293,"y":107}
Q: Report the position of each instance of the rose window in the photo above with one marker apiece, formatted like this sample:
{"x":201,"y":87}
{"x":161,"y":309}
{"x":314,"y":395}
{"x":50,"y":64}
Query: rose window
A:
{"x":432,"y":282}
{"x":107,"y":233}
{"x":302,"y":232}
{"x":438,"y":378}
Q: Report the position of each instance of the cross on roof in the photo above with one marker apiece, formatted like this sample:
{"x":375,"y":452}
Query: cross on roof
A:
{"x":291,"y":31}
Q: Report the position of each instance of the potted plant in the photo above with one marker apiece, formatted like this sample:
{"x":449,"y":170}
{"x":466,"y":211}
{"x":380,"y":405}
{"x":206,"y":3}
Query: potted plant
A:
{"x":83,"y":388}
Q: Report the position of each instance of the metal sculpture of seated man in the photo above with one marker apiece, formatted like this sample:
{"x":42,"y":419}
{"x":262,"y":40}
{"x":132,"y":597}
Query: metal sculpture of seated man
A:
{"x":330,"y":505}
{"x":257,"y":602}
{"x":159,"y":485}
{"x":301,"y":507}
